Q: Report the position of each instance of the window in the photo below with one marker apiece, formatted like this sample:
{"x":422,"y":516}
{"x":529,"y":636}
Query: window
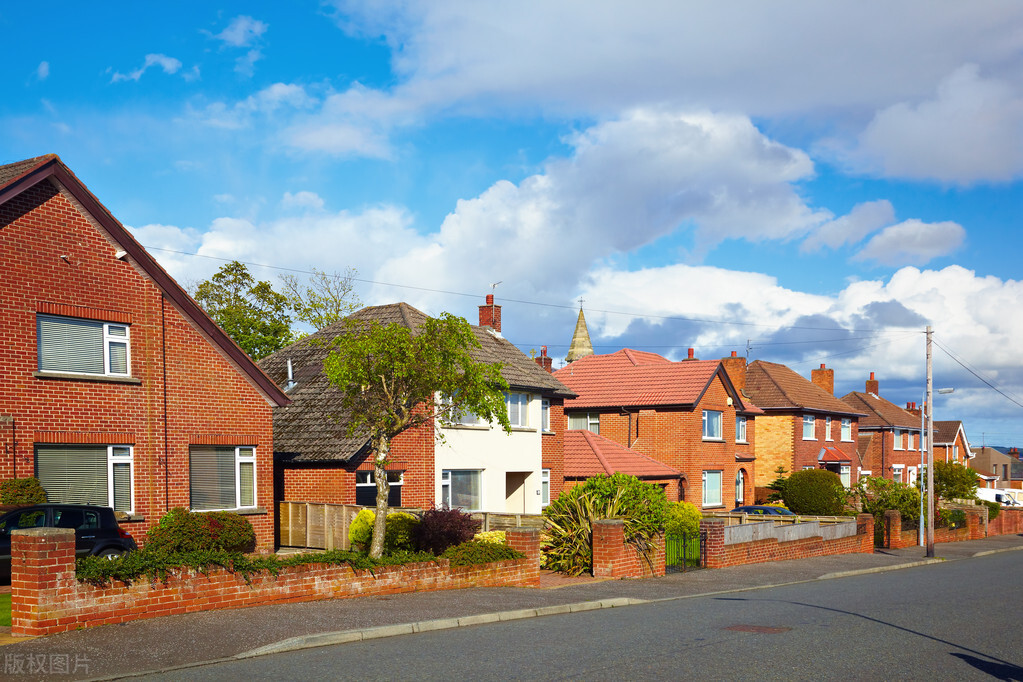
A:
{"x":740,"y":487}
{"x":809,"y":427}
{"x":68,"y":344}
{"x":712,"y":488}
{"x":897,"y":473}
{"x":545,"y":487}
{"x":911,"y":478}
{"x":366,"y":488}
{"x":461,"y":489}
{"x":845,"y":473}
{"x":955,"y":453}
{"x":221,"y":477}
{"x":827,"y":428}
{"x":518,"y":408}
{"x":897,"y":436}
{"x":587,"y":421}
{"x":740,"y":429}
{"x":847,"y":429}
{"x":711,"y":425}
{"x":87,"y":474}
{"x":545,"y":415}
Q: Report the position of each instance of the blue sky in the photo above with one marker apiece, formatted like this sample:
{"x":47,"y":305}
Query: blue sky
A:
{"x":816,"y":181}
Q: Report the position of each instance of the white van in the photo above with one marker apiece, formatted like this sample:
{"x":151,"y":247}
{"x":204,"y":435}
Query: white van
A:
{"x":1002,"y":497}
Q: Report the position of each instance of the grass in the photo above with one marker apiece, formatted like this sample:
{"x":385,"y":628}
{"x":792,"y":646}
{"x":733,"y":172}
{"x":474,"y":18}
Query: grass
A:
{"x":5,"y":610}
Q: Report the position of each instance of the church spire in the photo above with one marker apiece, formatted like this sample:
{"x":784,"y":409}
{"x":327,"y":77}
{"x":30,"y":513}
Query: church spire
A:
{"x":581,"y":346}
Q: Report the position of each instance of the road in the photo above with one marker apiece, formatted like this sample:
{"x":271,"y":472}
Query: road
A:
{"x":949,"y":621}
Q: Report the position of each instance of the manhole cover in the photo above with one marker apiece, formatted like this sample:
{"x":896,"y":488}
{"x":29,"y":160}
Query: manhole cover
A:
{"x":762,"y":629}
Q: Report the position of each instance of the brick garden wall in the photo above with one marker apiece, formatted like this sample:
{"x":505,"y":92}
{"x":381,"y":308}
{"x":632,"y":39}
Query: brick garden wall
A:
{"x":46,"y":598}
{"x":720,"y":555}
{"x":1009,"y":522}
{"x":614,"y":558}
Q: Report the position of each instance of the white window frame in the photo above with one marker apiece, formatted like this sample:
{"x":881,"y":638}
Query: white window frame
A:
{"x":955,"y":454}
{"x":365,"y":478}
{"x":899,"y":473}
{"x":591,"y":419}
{"x":445,"y":487}
{"x":243,"y":454}
{"x":740,"y":487}
{"x":897,"y":439}
{"x":720,"y":502}
{"x":116,"y":454}
{"x":712,"y":425}
{"x":740,"y":429}
{"x":110,"y":339}
{"x":827,"y":429}
{"x":845,"y":473}
{"x":809,"y":424}
{"x":545,"y":415}
{"x":545,"y":487}
{"x":911,"y":476}
{"x":517,"y":405}
{"x":847,"y":430}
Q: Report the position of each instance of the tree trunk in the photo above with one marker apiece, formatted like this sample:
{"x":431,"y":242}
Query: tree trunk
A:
{"x":376,"y":546}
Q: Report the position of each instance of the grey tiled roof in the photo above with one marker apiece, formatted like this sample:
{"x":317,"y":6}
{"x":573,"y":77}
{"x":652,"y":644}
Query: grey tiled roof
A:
{"x":313,"y":428}
{"x":11,"y":171}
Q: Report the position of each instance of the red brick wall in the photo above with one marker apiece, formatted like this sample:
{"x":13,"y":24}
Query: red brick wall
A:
{"x":1009,"y":522}
{"x":896,"y":538}
{"x":720,"y":555}
{"x":613,"y":557}
{"x":51,"y":254}
{"x":553,"y":447}
{"x":46,"y":597}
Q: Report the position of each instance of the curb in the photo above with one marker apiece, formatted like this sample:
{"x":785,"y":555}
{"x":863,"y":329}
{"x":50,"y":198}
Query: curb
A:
{"x":878,"y":569}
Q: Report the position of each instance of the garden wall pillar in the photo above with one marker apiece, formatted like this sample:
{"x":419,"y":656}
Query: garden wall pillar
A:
{"x":715,"y":548}
{"x":865,"y":531}
{"x":527,"y":541}
{"x":42,"y":567}
{"x":892,"y":529}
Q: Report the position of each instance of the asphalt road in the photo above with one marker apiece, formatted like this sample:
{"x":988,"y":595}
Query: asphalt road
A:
{"x":949,"y":621}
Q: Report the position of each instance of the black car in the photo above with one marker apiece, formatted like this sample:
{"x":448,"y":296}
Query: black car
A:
{"x":764,"y":509}
{"x":96,"y":530}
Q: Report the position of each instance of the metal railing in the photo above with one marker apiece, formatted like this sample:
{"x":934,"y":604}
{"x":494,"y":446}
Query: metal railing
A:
{"x":682,"y":552}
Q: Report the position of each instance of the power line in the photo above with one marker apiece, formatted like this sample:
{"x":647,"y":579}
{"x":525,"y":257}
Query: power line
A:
{"x":964,"y":365}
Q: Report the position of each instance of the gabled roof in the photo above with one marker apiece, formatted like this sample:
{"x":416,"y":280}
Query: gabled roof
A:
{"x":880,"y":413}
{"x":630,"y":378}
{"x":314,"y":428}
{"x":775,"y":387}
{"x":587,"y":454}
{"x":19,"y":177}
{"x":945,"y":433}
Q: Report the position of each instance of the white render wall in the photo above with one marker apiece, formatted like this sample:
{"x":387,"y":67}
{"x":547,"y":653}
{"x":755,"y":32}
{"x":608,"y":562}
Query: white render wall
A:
{"x":495,"y":453}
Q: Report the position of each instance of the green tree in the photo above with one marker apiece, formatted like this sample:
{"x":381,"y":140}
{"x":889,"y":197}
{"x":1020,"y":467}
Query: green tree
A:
{"x":815,"y":492}
{"x":954,"y":481}
{"x":251,"y":312}
{"x":389,"y":376}
{"x":325,"y":299}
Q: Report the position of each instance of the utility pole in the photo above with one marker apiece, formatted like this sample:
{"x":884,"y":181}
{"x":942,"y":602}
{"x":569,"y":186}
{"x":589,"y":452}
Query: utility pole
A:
{"x":930,"y":450}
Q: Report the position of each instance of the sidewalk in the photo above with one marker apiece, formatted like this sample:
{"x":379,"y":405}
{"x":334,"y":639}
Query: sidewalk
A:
{"x":112,"y":651}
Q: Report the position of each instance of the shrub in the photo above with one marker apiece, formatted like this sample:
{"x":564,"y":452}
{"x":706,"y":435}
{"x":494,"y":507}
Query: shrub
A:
{"x":950,"y":518}
{"x":815,"y":492}
{"x":568,"y":520}
{"x":777,"y":485}
{"x":498,"y":537}
{"x":397,"y":531}
{"x":183,"y":531}
{"x":993,"y":509}
{"x":954,"y":481}
{"x":22,"y":491}
{"x":479,"y":552}
{"x":441,"y":527}
{"x":683,"y":519}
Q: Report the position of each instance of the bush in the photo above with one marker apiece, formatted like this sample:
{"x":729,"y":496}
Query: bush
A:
{"x":440,"y":528}
{"x":567,"y":544}
{"x":183,"y":531}
{"x":22,"y":491}
{"x":954,"y":481}
{"x":683,"y":519}
{"x":498,"y":537}
{"x":878,"y":495}
{"x":397,"y":531}
{"x":479,"y":552}
{"x":815,"y":492}
{"x":993,"y":509}
{"x":950,"y":518}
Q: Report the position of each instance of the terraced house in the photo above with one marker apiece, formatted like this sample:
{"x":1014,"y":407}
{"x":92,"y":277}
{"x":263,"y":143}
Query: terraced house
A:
{"x":475,"y":466}
{"x":116,"y":389}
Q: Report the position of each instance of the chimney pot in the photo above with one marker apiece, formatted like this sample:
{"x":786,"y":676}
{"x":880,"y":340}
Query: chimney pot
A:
{"x":822,"y":366}
{"x":490,"y":299}
{"x":734,"y":354}
{"x":691,"y":353}
{"x":871,"y":374}
{"x":543,"y":351}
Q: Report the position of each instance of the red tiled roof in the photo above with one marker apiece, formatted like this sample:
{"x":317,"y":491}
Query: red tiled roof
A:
{"x":630,"y":378}
{"x":587,"y":454}
{"x":880,"y":413}
{"x":830,"y":454}
{"x":773,"y":386}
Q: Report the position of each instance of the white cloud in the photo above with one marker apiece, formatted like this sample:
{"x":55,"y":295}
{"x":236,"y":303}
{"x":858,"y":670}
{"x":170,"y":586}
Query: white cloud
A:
{"x":972,"y":130}
{"x":286,"y":98}
{"x":242,"y":31}
{"x":913,"y":242}
{"x":302,"y":200}
{"x":246,"y":65}
{"x":852,"y":228}
{"x":43,"y":71}
{"x":170,"y":65}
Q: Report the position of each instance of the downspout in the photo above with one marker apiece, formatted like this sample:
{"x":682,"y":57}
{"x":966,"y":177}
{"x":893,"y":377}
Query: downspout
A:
{"x":166,"y":437}
{"x":629,"y":435}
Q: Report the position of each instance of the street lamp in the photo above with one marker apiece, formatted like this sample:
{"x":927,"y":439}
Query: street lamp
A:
{"x":926,"y":437}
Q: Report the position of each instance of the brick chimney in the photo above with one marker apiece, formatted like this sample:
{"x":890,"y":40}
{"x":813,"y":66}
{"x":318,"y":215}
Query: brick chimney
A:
{"x":913,"y":409}
{"x":545,"y":361}
{"x":825,"y":378}
{"x":490,"y":314}
{"x":692,"y":355}
{"x":735,"y":368}
{"x":872,"y":385}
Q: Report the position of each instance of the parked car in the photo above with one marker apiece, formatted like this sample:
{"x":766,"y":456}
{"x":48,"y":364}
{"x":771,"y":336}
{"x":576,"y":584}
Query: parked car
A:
{"x":765,"y":509}
{"x":96,"y":530}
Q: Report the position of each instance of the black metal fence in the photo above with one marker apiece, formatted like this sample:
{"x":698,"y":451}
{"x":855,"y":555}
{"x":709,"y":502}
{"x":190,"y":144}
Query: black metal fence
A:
{"x":682,"y":552}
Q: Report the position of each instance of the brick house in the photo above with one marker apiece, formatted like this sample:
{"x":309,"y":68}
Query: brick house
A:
{"x":686,"y":415}
{"x":950,"y":444}
{"x":474,"y":466}
{"x":997,"y":469}
{"x":804,"y":426}
{"x":889,"y":437}
{"x":115,"y":387}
